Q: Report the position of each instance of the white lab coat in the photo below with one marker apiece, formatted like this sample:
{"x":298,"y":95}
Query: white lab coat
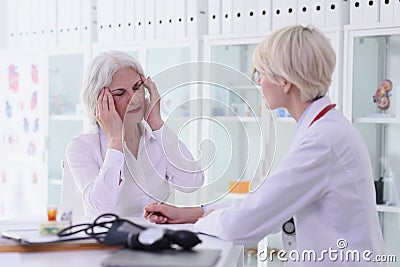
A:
{"x":162,"y":160}
{"x":325,"y":182}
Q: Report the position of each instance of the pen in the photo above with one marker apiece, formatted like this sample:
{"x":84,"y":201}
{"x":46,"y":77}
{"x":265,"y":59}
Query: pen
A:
{"x":158,"y":204}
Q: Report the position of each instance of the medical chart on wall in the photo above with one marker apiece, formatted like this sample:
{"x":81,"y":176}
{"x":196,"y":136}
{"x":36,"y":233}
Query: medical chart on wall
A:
{"x":23,"y":181}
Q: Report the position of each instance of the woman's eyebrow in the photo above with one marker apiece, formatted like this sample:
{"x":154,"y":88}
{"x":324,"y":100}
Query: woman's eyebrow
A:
{"x":137,"y":83}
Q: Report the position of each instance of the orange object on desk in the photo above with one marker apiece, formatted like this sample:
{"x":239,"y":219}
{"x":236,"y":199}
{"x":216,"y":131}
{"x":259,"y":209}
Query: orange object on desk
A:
{"x":51,"y":213}
{"x":239,"y":187}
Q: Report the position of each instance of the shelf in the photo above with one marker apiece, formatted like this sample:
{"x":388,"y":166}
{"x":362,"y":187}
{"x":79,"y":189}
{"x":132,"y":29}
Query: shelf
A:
{"x":237,"y":118}
{"x":245,"y":87}
{"x":383,"y":208}
{"x":67,"y":118}
{"x":376,"y":120}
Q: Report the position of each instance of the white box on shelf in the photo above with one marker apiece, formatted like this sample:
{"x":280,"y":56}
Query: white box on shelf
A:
{"x":140,"y":20}
{"x":238,"y":18}
{"x":304,"y":12}
{"x":264,"y":16}
{"x":129,"y":20}
{"x":356,"y":12}
{"x":119,"y":14}
{"x":180,"y":7}
{"x":196,"y":18}
{"x":105,"y":20}
{"x":149,"y":12}
{"x":337,"y":12}
{"x":371,"y":12}
{"x":250,"y":16}
{"x":87,"y":26}
{"x":214,"y":17}
{"x":51,"y":30}
{"x":160,"y":18}
{"x":170,"y":17}
{"x":318,"y":12}
{"x":284,"y":13}
{"x":386,"y":12}
{"x":227,"y":13}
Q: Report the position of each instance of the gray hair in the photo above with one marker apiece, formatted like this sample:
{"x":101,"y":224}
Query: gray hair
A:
{"x":300,"y":55}
{"x":99,"y":75}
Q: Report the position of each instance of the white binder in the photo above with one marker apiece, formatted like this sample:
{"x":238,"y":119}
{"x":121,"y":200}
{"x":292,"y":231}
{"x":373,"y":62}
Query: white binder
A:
{"x":386,"y":12}
{"x":51,"y":29}
{"x":304,"y":12}
{"x":129,"y":21}
{"x":139,"y":20}
{"x":226,"y":26}
{"x":356,"y":12}
{"x":12,"y":30}
{"x":250,"y":16}
{"x":196,"y":19}
{"x":264,"y":16}
{"x":318,"y":13}
{"x":160,"y":21}
{"x":180,"y":26}
{"x":337,"y":12}
{"x":24,"y":24}
{"x":87,"y":28}
{"x":214,"y":17}
{"x":149,"y":12}
{"x":103,"y":21}
{"x":371,"y":11}
{"x":284,"y":13}
{"x":238,"y":18}
{"x":170,"y":19}
{"x":75,"y":23}
{"x":396,"y":16}
{"x":119,"y":18}
{"x":35,"y":23}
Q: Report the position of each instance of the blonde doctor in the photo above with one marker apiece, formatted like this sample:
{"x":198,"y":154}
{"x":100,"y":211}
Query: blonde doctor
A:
{"x":154,"y":162}
{"x":325,"y":181}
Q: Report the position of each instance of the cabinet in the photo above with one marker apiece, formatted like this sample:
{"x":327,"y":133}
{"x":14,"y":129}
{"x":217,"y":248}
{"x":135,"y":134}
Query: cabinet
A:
{"x":373,"y":55}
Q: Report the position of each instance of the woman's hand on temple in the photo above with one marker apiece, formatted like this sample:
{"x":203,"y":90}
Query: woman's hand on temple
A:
{"x":108,"y":119}
{"x":152,"y":115}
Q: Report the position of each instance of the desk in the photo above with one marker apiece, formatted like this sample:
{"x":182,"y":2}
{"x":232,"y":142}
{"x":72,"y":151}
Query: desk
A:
{"x":231,"y":256}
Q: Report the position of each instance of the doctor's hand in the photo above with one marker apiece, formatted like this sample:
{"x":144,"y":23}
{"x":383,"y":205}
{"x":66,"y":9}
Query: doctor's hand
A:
{"x":152,"y":115}
{"x":165,"y":213}
{"x":108,"y":119}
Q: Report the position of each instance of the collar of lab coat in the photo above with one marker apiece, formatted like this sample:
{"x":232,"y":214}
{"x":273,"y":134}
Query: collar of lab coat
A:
{"x":315,"y":108}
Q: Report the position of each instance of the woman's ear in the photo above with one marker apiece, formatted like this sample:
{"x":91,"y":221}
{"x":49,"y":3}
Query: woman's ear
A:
{"x":287,"y":86}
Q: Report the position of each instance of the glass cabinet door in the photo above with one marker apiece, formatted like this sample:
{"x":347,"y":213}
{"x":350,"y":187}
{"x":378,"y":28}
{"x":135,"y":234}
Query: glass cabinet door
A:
{"x":66,"y":114}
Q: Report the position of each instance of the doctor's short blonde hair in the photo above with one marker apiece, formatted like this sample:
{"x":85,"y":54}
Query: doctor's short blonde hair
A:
{"x":99,"y":75}
{"x":300,"y":55}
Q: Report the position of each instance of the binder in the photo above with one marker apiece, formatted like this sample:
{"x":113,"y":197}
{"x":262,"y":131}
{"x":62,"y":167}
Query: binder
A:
{"x":129,"y":21}
{"x":337,"y":12}
{"x":74,"y":23}
{"x":238,"y":18}
{"x":226,"y":26}
{"x":386,"y":12}
{"x":170,"y":19}
{"x":87,"y":35}
{"x":35,"y":23}
{"x":149,"y":13}
{"x":160,"y":19}
{"x":139,"y":20}
{"x":264,"y":16}
{"x":356,"y":12}
{"x":51,"y":28}
{"x":42,"y":23}
{"x":214,"y":17}
{"x":371,"y":12}
{"x":318,"y":13}
{"x":24,"y":24}
{"x":12,"y":30}
{"x":118,"y":22}
{"x":284,"y":13}
{"x":396,"y":16}
{"x":196,"y":19}
{"x":101,"y":21}
{"x":180,"y":8}
{"x":250,"y":16}
{"x":304,"y":12}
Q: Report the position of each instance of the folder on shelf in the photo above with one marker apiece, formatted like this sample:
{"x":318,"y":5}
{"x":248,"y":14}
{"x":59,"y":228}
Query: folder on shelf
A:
{"x":87,"y":28}
{"x":284,"y":13}
{"x":238,"y":18}
{"x":318,"y":13}
{"x":129,"y":21}
{"x":356,"y":12}
{"x":149,"y":12}
{"x":396,"y":16}
{"x":119,"y":18}
{"x":160,"y":19}
{"x":226,"y":25}
{"x":304,"y":12}
{"x":250,"y":16}
{"x":139,"y":20}
{"x":371,"y":11}
{"x":170,"y":19}
{"x":337,"y":12}
{"x":51,"y":29}
{"x":12,"y":18}
{"x":214,"y":17}
{"x":35,"y":22}
{"x":24,"y":24}
{"x":101,"y":21}
{"x":180,"y":13}
{"x":386,"y":12}
{"x":196,"y":18}
{"x":75,"y":23}
{"x":264,"y":16}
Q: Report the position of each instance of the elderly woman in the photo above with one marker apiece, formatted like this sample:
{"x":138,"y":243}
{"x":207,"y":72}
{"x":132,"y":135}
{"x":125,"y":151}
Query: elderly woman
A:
{"x":114,"y":97}
{"x":324,"y":183}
